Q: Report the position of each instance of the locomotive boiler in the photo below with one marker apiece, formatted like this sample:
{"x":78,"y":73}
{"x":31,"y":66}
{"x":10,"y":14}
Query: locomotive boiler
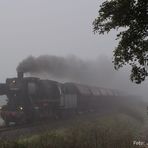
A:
{"x":30,"y":98}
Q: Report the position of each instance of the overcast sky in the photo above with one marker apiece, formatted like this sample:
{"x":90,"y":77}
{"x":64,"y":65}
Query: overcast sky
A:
{"x":35,"y":27}
{"x":54,"y":27}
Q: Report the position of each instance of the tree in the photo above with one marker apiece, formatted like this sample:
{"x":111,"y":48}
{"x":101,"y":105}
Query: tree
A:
{"x":132,"y":17}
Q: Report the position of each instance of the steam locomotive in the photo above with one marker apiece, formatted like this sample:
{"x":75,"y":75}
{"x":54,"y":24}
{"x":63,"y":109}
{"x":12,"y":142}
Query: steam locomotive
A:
{"x":30,"y":98}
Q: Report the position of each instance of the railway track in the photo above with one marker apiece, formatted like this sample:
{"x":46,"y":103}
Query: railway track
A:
{"x":15,"y":132}
{"x":49,"y":122}
{"x":11,"y":128}
{"x":4,"y":129}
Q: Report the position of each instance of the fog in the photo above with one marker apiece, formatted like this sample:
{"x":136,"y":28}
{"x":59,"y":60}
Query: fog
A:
{"x":63,"y":30}
{"x":97,"y":72}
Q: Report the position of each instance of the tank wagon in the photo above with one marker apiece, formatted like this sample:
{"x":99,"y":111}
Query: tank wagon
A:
{"x":31,"y":98}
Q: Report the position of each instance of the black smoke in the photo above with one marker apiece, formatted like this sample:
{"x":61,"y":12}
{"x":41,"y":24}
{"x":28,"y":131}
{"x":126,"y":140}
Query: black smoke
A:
{"x":71,"y":68}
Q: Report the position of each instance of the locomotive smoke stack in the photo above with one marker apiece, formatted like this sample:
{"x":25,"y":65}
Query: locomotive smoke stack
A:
{"x":20,"y":75}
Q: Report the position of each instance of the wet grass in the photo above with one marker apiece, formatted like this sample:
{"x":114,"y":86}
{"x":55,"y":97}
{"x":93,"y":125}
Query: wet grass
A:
{"x":108,"y":132}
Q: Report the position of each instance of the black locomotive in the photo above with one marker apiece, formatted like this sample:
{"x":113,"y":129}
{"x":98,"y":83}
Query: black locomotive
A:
{"x":31,"y":98}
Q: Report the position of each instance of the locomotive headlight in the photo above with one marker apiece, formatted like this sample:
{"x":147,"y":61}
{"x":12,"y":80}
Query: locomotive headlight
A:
{"x":0,"y":107}
{"x":21,"y":108}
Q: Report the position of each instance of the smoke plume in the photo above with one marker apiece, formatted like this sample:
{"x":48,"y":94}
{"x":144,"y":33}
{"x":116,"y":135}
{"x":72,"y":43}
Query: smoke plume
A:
{"x":70,"y":68}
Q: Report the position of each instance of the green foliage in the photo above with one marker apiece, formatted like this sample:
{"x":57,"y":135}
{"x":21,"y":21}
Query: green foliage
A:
{"x":132,"y":15}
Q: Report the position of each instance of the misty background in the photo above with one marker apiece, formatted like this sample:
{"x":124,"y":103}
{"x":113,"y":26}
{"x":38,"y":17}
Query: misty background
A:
{"x":62,"y":29}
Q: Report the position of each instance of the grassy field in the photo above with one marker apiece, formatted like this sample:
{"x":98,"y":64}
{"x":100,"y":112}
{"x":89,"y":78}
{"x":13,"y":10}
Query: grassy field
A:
{"x":117,"y":131}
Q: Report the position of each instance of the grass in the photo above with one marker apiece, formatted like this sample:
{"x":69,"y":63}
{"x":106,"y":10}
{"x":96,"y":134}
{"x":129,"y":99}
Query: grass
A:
{"x":107,"y":132}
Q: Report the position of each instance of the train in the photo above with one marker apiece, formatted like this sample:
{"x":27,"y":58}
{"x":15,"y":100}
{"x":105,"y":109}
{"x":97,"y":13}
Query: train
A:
{"x":32,"y":98}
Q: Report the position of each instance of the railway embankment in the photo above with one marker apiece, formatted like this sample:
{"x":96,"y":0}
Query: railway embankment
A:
{"x":106,"y":131}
